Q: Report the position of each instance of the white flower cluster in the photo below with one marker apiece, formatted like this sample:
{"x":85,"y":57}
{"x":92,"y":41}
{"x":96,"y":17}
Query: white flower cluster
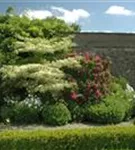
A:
{"x":30,"y":101}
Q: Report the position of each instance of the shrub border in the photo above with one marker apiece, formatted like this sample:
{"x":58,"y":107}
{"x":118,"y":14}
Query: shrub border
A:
{"x":97,"y":138}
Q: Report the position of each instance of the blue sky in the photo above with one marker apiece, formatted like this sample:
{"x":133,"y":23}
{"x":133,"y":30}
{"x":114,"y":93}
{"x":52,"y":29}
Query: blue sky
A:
{"x":92,"y":15}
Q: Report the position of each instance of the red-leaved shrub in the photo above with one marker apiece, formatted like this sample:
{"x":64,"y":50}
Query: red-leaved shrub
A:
{"x":93,"y":79}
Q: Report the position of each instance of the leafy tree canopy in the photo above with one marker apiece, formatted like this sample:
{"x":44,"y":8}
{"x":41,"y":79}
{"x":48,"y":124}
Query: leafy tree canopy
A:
{"x":33,"y":53}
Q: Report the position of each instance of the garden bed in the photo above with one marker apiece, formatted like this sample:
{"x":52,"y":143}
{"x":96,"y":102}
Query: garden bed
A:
{"x":45,"y":87}
{"x":43,"y":81}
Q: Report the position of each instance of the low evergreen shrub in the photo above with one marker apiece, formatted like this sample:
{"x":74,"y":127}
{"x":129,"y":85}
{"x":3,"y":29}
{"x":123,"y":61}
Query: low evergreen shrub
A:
{"x":56,"y":114}
{"x":77,"y":111}
{"x":101,"y":138}
{"x":114,"y":108}
{"x":21,"y":112}
{"x":25,"y":115}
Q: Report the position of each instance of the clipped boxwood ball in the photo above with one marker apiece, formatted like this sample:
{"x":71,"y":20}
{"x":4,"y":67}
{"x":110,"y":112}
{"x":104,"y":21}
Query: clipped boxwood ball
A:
{"x":111,"y":111}
{"x":56,"y":114}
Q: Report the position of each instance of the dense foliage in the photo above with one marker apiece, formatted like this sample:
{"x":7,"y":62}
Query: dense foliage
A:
{"x":93,"y":79}
{"x":102,"y":138}
{"x":38,"y":68}
{"x":31,"y":63}
{"x":114,"y":108}
{"x":57,"y":114}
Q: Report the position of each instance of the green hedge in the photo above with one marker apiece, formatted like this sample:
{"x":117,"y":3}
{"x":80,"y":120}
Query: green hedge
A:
{"x":99,"y":138}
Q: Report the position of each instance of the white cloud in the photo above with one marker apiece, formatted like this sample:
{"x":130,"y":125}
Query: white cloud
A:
{"x":98,"y":31}
{"x":130,"y":32}
{"x":34,"y":14}
{"x":71,"y":16}
{"x":107,"y":31}
{"x":119,"y":10}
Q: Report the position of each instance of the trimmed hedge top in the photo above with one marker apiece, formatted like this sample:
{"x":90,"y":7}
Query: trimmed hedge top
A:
{"x":111,"y":137}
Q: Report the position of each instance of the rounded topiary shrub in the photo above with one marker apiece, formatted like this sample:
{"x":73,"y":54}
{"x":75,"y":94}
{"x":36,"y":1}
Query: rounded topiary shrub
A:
{"x":56,"y":114}
{"x":112,"y":112}
{"x":113,"y":109}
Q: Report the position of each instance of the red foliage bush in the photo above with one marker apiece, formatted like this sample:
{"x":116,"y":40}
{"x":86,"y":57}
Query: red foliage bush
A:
{"x":92,"y":78}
